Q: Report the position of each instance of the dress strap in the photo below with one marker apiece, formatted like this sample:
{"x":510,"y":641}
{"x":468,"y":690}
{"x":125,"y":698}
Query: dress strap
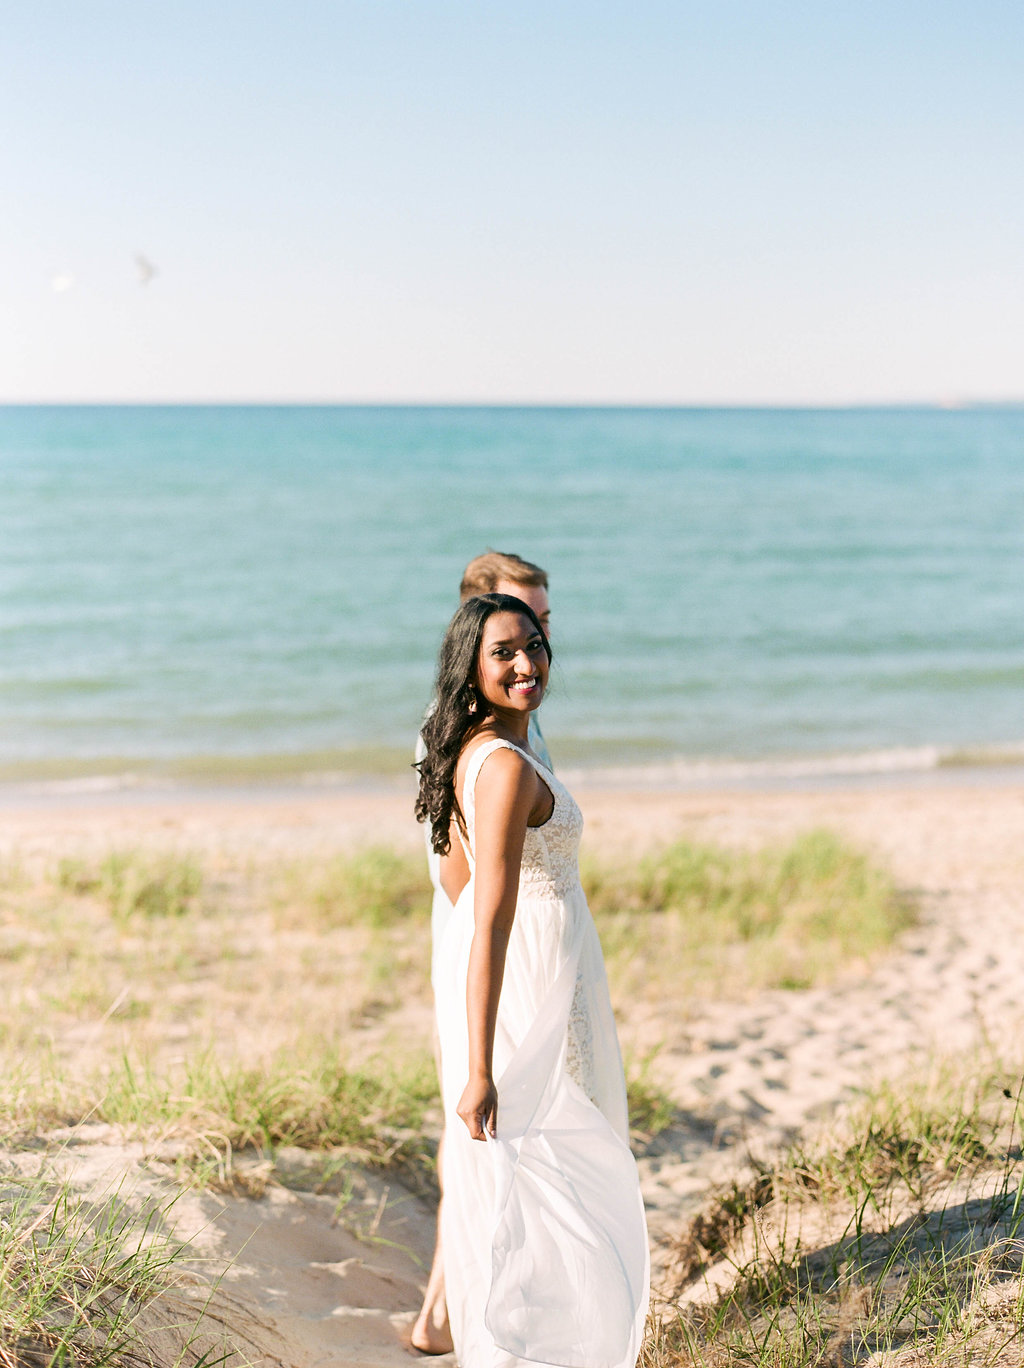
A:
{"x":473,"y":768}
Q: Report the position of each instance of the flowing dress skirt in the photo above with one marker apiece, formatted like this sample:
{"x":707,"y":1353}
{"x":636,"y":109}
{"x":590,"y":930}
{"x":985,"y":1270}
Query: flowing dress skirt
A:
{"x":545,"y":1243}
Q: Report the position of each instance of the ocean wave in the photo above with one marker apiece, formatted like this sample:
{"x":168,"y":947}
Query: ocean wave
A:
{"x":388,"y":767}
{"x":687,"y":771}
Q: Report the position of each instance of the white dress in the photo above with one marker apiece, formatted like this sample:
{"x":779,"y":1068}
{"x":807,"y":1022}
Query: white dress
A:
{"x":545,"y":1243}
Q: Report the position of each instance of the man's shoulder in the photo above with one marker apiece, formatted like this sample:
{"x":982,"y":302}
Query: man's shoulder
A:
{"x":537,"y":743}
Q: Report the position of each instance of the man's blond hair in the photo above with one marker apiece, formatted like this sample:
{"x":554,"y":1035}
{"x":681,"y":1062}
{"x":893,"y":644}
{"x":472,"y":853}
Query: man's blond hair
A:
{"x":484,"y":573}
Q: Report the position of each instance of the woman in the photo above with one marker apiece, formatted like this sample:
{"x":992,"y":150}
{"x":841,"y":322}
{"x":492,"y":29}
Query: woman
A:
{"x":545,"y":1246}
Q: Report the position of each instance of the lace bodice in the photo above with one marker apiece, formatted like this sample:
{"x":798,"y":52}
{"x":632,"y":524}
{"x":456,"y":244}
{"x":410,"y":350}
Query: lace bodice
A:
{"x":549,"y":867}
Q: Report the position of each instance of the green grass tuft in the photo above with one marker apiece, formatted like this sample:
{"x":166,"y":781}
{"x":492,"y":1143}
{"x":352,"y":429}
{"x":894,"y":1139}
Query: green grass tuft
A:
{"x":376,"y":887}
{"x":651,"y":1109}
{"x":93,"y":1284}
{"x":132,"y":883}
{"x":784,"y":917}
{"x":305,"y":1097}
{"x":900,"y":1232}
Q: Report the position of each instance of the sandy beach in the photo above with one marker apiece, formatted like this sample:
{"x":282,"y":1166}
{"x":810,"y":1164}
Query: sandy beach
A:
{"x":307,"y":1280}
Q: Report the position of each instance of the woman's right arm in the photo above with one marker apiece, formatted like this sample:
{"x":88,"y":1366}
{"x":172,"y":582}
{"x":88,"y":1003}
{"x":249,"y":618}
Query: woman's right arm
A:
{"x":506,"y":791}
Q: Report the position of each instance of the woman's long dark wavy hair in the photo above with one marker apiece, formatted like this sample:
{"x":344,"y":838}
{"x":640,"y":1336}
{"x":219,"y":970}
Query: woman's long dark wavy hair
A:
{"x":459,"y":707}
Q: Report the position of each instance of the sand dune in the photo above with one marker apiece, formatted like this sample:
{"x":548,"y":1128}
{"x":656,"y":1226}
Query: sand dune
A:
{"x":307,"y":1281}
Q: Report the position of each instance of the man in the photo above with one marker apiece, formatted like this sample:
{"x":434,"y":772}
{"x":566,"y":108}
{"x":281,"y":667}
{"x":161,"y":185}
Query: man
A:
{"x":495,"y":572}
{"x":501,"y":572}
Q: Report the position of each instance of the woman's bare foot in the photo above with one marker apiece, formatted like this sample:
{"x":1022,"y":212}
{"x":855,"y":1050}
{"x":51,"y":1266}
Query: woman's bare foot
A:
{"x":431,"y":1333}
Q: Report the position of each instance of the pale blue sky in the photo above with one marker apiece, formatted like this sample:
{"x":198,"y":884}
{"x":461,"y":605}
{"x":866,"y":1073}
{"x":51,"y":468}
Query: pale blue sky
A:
{"x":402,"y":200}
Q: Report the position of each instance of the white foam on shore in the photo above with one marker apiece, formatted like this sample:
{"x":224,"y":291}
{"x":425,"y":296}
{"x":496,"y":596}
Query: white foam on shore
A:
{"x":674,"y":772}
{"x":685,"y":772}
{"x":86,"y":784}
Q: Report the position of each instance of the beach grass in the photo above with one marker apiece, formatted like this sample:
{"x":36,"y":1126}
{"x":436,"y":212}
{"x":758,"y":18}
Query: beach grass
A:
{"x":307,"y":1098}
{"x":245,"y":1007}
{"x":377,"y":887}
{"x":896,"y":1236}
{"x":96,"y":1283}
{"x":785,"y":916}
{"x":133,"y":882}
{"x":161,"y":987}
{"x":380,"y":1115}
{"x":651,"y":1109}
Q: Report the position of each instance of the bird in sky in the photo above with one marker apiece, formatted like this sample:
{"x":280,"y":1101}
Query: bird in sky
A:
{"x":145,"y":268}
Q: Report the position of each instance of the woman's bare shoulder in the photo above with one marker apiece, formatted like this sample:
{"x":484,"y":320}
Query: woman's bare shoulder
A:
{"x":506,"y":765}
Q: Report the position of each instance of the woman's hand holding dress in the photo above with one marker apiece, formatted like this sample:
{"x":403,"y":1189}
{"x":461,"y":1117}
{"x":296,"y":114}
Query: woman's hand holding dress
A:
{"x":478,"y":1107}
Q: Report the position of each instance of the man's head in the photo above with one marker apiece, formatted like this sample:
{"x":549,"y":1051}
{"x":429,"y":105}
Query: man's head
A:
{"x":500,"y":572}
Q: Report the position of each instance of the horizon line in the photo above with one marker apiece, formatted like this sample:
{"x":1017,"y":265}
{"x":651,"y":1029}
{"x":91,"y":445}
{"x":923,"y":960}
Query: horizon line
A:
{"x":743,"y":405}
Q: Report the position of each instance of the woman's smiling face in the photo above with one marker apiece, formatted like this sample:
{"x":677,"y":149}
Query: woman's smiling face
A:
{"x":512,"y":669}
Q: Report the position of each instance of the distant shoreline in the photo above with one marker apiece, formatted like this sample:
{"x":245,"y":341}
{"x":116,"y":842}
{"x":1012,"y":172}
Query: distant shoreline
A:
{"x":284,"y":778}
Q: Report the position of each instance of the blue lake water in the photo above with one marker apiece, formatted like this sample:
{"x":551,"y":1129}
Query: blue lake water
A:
{"x":254,"y":590}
